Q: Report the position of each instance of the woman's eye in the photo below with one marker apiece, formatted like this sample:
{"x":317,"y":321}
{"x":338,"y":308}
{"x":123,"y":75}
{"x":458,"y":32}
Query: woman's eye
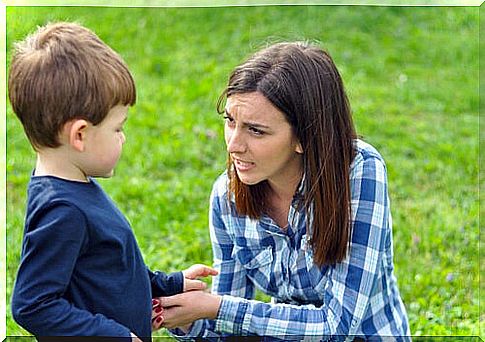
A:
{"x":229,"y":121}
{"x":256,"y":131}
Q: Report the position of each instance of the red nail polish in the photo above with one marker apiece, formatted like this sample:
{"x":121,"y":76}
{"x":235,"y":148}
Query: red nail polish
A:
{"x":159,"y":319}
{"x":157,"y":310}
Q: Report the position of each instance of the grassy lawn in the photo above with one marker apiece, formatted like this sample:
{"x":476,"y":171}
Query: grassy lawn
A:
{"x":412,"y":79}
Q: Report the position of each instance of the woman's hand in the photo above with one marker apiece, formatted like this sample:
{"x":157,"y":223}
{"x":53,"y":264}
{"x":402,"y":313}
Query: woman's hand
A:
{"x":157,"y":314}
{"x":184,"y":308}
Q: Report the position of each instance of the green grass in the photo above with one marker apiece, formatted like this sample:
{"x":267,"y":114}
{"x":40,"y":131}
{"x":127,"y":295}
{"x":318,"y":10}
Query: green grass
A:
{"x":412,"y":78}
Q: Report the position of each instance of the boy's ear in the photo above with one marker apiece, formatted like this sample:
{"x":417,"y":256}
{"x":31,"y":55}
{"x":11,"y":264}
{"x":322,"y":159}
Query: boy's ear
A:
{"x":75,"y":132}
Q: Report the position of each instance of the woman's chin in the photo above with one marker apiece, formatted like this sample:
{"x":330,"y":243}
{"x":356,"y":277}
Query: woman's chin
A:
{"x":249,"y":180}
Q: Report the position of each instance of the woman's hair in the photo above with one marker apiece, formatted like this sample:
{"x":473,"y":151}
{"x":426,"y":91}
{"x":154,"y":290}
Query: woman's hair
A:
{"x":301,"y":80}
{"x":63,"y":71}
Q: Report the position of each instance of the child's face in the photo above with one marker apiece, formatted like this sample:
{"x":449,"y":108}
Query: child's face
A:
{"x":104,"y":143}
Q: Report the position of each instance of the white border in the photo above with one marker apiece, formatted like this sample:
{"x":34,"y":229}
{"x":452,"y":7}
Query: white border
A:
{"x":145,"y":3}
{"x":3,"y":164}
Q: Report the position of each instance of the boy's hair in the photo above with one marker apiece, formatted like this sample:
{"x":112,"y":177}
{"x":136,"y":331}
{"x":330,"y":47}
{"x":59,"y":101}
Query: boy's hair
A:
{"x":63,"y":71}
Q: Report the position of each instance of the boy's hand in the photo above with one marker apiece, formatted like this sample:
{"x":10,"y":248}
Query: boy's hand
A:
{"x":196,"y":271}
{"x":190,"y":283}
{"x":135,"y":338}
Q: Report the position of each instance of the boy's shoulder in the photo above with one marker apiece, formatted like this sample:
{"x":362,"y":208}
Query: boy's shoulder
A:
{"x":45,"y":191}
{"x":52,"y":198}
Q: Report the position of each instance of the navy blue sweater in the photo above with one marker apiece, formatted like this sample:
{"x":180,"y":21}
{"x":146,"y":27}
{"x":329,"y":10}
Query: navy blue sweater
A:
{"x":81,"y":272}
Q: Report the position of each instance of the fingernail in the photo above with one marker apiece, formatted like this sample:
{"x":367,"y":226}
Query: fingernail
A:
{"x":159,"y":309}
{"x":155,"y":302}
{"x":159,"y":319}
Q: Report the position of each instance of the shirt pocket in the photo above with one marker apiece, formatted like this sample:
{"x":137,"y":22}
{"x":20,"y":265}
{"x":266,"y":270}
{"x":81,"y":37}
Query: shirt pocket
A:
{"x":258,"y":263}
{"x":254,"y":257}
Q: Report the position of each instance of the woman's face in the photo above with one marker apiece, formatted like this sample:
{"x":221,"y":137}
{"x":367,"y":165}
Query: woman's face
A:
{"x":260,"y":141}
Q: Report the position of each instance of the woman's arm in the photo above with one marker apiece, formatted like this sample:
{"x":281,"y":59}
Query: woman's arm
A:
{"x":349,"y":286}
{"x":231,"y":278}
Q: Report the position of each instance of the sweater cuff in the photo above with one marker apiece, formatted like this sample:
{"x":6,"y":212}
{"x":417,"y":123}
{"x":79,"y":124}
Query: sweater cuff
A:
{"x":167,"y":284}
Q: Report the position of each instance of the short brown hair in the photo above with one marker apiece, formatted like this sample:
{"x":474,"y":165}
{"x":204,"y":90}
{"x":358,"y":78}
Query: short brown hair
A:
{"x":302,"y":81}
{"x":61,"y":72}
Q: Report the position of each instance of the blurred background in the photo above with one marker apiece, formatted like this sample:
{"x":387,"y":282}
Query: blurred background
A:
{"x":411,"y":74}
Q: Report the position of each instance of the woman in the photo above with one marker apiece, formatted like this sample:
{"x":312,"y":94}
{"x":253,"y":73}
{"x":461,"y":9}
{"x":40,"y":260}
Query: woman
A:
{"x":301,"y":213}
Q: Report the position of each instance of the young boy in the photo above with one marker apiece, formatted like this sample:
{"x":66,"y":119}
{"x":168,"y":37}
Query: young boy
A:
{"x":81,"y":272}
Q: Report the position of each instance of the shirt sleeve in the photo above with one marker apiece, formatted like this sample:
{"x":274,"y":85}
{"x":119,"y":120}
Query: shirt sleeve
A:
{"x":349,"y":284}
{"x":231,"y":279}
{"x":50,"y":250}
{"x":166,"y":284}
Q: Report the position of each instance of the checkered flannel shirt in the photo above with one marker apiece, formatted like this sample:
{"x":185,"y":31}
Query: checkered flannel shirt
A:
{"x":357,"y":297}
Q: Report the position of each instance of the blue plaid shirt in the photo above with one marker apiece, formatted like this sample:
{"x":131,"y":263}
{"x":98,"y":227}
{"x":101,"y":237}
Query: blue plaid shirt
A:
{"x":357,"y":297}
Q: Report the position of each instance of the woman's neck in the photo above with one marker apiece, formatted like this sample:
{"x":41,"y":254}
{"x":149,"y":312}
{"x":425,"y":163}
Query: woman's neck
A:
{"x":284,"y":188}
{"x":280,"y":198}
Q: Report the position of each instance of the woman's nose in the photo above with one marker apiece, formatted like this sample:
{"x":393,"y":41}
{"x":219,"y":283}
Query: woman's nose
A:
{"x":235,"y":142}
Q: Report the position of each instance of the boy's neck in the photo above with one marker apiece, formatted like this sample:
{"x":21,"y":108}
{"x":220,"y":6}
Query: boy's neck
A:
{"x":56,"y":162}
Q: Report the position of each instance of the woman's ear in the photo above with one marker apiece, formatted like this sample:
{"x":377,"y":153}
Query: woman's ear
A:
{"x":75,"y":132}
{"x":298,"y":148}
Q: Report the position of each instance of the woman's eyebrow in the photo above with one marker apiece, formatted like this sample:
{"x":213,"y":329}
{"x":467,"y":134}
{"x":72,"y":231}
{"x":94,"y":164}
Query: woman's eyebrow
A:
{"x":256,"y":125}
{"x":248,"y":123}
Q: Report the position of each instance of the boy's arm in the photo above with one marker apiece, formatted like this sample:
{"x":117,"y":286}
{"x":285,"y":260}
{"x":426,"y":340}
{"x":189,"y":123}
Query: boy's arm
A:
{"x":166,"y":284}
{"x":171,"y":284}
{"x":49,"y":254}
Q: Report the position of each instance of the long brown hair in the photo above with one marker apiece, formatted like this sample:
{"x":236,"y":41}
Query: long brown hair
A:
{"x":302,"y":81}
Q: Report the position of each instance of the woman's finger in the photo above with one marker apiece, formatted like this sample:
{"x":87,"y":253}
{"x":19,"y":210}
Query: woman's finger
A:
{"x":173,"y":318}
{"x":157,"y":322}
{"x":171,"y":300}
{"x":157,"y":311}
{"x":190,"y":285}
{"x":155,"y":302}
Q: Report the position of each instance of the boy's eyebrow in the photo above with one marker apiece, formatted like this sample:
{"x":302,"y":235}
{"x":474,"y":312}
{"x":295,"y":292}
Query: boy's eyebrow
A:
{"x":252,"y":124}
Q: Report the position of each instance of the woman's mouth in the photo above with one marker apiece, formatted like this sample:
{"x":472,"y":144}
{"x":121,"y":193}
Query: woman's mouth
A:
{"x":242,"y":165}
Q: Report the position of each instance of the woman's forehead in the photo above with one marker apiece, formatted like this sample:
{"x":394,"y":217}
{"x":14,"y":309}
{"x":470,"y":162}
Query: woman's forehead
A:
{"x":253,"y":106}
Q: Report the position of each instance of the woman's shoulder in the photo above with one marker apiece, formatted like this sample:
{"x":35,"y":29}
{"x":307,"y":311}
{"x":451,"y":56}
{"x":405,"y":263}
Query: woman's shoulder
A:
{"x":365,"y":151}
{"x":221,"y":185}
{"x":367,"y":162}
